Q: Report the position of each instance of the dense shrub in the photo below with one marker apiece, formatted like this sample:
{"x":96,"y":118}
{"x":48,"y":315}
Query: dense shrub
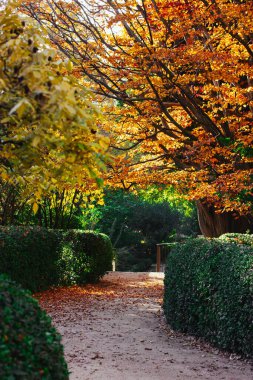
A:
{"x":98,"y":247}
{"x":89,"y":256}
{"x":30,"y":347}
{"x":38,"y":258}
{"x":29,"y":256}
{"x":209,"y":292}
{"x":72,"y":268}
{"x":237,"y":238}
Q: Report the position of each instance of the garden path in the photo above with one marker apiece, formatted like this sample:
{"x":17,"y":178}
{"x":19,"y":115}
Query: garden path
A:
{"x":115,"y":330}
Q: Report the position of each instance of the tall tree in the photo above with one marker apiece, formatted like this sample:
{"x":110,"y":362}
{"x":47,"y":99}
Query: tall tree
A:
{"x":48,"y":122}
{"x":181,"y":74}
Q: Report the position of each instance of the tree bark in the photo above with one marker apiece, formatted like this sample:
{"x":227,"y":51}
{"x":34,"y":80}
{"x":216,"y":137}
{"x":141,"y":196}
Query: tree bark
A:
{"x":213,"y":225}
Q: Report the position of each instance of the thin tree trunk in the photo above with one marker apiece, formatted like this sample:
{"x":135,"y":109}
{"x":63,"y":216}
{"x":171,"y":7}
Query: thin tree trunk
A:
{"x":72,"y":208}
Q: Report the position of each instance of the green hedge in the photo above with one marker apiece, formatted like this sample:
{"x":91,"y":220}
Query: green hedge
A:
{"x":30,"y":348}
{"x":38,"y":258}
{"x":29,"y":256}
{"x":209,"y":292}
{"x":86,"y":257}
{"x":237,"y":238}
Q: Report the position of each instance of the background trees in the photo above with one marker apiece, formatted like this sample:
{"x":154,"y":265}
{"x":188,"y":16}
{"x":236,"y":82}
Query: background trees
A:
{"x":181,"y":73}
{"x":136,"y":222}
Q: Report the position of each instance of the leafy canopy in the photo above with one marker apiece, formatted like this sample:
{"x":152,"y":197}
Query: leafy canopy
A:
{"x":180,"y":73}
{"x":48,"y":122}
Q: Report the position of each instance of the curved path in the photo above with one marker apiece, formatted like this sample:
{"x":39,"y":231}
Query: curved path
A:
{"x":115,"y":331}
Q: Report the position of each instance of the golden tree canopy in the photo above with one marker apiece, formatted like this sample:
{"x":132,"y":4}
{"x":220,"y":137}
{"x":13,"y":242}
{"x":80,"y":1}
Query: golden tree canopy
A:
{"x":181,"y":74}
{"x":49,"y":126}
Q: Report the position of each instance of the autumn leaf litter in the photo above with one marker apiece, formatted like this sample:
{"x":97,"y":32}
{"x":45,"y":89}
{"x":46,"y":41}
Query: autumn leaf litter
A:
{"x":116,"y":330}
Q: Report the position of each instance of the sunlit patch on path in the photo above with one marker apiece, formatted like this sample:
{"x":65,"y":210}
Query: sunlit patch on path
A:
{"x":115,"y":330}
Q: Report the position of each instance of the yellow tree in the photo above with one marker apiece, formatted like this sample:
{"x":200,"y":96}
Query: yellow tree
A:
{"x":180,"y":74}
{"x":49,"y":136}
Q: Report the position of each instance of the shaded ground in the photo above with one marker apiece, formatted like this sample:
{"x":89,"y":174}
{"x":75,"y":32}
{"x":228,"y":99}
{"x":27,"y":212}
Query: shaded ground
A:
{"x":115,"y":330}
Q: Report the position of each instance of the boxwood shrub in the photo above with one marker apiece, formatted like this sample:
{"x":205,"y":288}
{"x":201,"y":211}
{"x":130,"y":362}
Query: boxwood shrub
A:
{"x":39,"y":258}
{"x":30,"y":348}
{"x":209,"y":292}
{"x":86,"y":256}
{"x":29,"y":256}
{"x":237,"y":238}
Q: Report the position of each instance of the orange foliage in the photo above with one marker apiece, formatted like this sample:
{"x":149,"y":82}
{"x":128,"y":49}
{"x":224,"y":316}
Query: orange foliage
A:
{"x":179,"y":75}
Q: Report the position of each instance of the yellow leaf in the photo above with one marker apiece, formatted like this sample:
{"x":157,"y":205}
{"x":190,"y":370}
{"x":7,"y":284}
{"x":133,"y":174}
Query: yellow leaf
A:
{"x":36,"y":141}
{"x":69,"y":65}
{"x":35,"y":208}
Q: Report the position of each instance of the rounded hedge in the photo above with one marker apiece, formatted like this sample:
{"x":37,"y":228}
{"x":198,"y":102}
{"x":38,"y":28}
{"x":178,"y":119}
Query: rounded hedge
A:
{"x":86,"y":257}
{"x":30,"y":348}
{"x":29,"y":254}
{"x":38,"y":258}
{"x":246,"y":239}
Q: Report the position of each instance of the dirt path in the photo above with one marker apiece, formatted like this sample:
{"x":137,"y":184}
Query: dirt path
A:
{"x":115,"y":331}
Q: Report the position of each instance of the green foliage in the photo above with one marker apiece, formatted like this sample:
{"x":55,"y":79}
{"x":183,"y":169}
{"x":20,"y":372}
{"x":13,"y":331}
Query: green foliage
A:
{"x":72,"y":267}
{"x":121,"y":217}
{"x":100,"y":252}
{"x":86,"y":257}
{"x":209,"y":292}
{"x":237,"y":238}
{"x":29,"y":256}
{"x":38,"y":258}
{"x":128,"y":260}
{"x":168,"y":194}
{"x":30,"y":347}
{"x":137,"y":222}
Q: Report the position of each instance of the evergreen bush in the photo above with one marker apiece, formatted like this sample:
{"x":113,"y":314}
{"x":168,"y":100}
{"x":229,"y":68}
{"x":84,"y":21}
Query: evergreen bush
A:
{"x":91,"y":253}
{"x":29,"y":256}
{"x":237,"y":238}
{"x":30,"y":348}
{"x":39,"y":258}
{"x":209,"y":292}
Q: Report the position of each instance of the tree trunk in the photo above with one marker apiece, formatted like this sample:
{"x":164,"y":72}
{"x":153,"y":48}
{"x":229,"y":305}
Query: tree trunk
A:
{"x":214,"y":225}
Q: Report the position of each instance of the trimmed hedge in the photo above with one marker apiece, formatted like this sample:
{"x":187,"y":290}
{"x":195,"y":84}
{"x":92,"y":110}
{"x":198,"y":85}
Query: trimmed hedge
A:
{"x":29,"y":256}
{"x":39,"y":258}
{"x":30,"y":348}
{"x":86,"y":256}
{"x":209,"y":292}
{"x":237,"y":238}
